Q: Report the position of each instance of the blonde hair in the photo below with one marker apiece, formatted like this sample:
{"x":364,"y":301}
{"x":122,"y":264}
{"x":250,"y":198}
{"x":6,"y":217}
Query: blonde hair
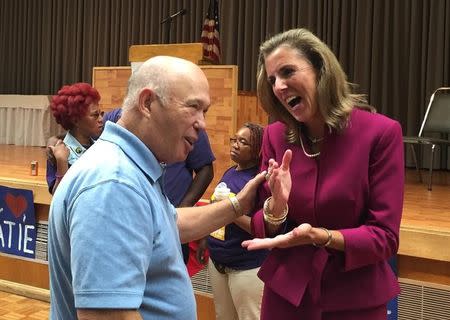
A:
{"x":334,"y":96}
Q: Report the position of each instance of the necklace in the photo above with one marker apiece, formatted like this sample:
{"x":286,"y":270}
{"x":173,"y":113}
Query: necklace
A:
{"x":314,"y":140}
{"x":309,"y":155}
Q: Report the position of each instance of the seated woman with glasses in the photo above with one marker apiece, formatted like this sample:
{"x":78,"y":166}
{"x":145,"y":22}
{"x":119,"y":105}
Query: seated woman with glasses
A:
{"x":76,"y":109}
{"x":236,"y":287}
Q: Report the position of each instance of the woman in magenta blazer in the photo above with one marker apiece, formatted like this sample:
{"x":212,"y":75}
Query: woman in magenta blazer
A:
{"x":340,"y":222}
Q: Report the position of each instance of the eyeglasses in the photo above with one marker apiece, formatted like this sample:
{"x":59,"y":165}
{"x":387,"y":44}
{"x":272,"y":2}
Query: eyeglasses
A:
{"x":240,"y":141}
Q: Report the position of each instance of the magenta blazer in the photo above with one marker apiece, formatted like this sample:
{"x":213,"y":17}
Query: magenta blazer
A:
{"x":356,"y":187}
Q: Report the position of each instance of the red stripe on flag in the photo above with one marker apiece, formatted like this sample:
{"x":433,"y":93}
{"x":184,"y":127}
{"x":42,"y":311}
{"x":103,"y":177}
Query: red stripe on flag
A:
{"x":210,"y":33}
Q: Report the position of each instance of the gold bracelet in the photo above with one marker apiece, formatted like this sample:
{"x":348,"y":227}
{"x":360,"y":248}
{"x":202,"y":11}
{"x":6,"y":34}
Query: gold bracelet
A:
{"x":270,"y":218}
{"x":236,"y":206}
{"x":275,"y":223}
{"x":326,"y":244}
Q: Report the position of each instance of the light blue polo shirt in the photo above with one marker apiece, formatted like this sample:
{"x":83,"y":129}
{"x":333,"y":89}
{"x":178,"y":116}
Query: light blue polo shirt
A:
{"x":113,"y":238}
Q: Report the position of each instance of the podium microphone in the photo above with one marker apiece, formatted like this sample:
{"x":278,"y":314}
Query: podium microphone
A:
{"x":176,"y":14}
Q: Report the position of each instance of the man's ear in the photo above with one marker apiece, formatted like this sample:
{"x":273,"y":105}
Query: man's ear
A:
{"x":146,"y":98}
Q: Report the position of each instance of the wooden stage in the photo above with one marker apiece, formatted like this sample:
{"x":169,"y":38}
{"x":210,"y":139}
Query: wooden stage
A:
{"x":424,"y":235}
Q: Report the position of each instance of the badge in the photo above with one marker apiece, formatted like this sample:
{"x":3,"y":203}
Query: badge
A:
{"x":219,"y":234}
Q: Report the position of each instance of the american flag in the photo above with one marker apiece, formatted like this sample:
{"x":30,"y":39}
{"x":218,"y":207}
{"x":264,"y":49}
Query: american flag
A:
{"x":210,"y":33}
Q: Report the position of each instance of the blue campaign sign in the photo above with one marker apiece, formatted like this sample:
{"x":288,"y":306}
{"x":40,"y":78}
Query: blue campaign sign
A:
{"x":392,"y":306}
{"x":392,"y":312}
{"x":17,"y":222}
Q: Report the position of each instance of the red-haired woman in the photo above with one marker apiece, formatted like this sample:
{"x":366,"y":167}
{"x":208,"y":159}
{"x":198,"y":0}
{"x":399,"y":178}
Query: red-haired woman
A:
{"x":76,"y":109}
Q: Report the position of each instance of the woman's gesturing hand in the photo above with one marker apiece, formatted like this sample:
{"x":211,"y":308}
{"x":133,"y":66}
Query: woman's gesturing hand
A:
{"x":298,"y":236}
{"x":279,"y":180}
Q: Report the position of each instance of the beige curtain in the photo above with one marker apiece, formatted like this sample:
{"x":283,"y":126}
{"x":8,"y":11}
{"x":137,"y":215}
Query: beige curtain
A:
{"x":396,"y":51}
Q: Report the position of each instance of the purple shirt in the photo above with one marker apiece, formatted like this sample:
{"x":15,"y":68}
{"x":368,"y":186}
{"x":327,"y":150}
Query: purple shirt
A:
{"x":178,"y":176}
{"x":356,"y":187}
{"x":229,"y":252}
{"x":113,"y":115}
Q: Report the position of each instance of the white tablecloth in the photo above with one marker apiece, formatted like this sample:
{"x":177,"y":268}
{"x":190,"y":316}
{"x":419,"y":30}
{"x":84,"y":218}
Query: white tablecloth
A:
{"x":26,"y":120}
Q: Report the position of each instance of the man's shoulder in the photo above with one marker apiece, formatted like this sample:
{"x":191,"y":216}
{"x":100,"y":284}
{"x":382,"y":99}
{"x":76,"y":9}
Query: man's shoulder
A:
{"x":105,"y":164}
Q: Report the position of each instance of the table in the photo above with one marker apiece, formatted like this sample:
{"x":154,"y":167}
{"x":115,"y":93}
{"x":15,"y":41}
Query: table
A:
{"x":26,"y":120}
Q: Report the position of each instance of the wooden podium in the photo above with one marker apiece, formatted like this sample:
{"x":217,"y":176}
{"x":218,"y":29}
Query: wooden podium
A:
{"x":188,"y":51}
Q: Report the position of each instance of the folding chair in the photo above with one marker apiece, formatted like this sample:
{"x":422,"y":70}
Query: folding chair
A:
{"x":436,"y":120}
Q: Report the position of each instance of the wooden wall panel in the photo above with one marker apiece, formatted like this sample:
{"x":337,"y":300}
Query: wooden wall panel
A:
{"x":24,"y":271}
{"x":421,"y":269}
{"x":221,"y":117}
{"x":111,"y":83}
{"x":189,"y":51}
{"x":250,"y":110}
{"x":205,"y":307}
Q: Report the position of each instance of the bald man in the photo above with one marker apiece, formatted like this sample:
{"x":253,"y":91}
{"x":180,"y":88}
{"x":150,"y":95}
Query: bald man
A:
{"x":114,"y":237}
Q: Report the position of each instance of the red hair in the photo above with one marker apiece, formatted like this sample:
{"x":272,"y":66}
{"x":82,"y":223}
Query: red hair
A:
{"x":72,"y":103}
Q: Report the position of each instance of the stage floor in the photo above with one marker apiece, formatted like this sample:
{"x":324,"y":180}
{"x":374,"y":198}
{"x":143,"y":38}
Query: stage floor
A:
{"x":421,"y":207}
{"x":427,"y":208}
{"x":426,"y":213}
